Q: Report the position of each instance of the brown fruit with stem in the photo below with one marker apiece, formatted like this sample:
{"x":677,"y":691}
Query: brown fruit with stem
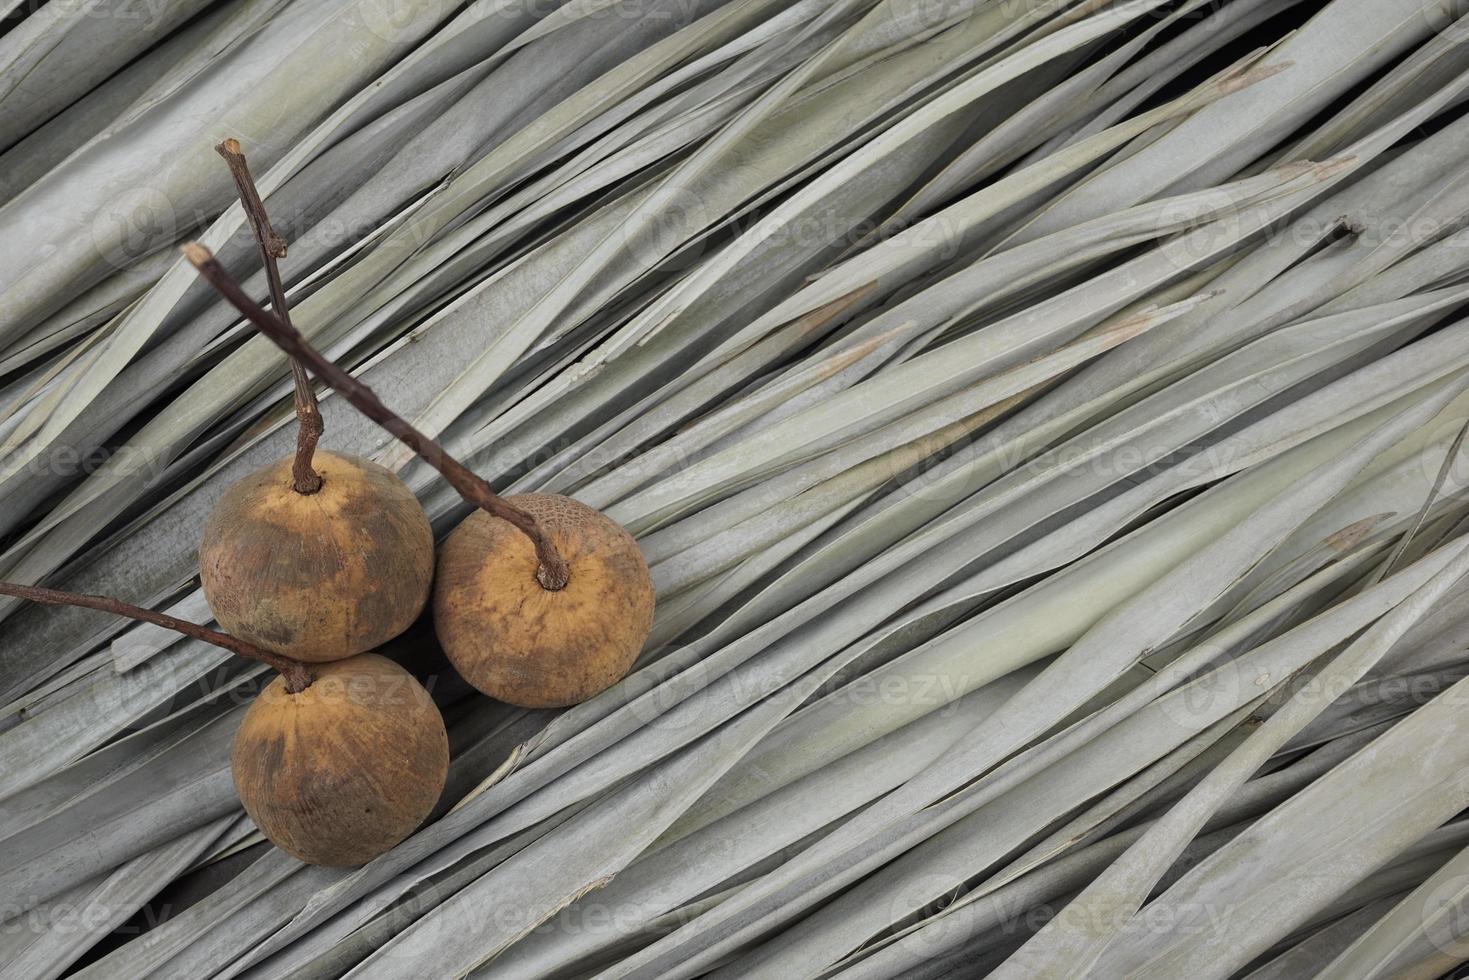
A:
{"x":341,"y":772}
{"x":322,"y":556}
{"x":337,"y":762}
{"x":320,"y":576}
{"x":543,"y":600}
{"x":519,"y":642}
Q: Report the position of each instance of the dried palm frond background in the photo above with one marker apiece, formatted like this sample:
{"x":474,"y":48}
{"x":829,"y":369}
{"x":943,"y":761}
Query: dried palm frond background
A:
{"x":1042,"y":418}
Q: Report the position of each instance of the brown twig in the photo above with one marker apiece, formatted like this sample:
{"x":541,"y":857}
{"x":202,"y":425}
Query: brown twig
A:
{"x":310,"y":426}
{"x":552,"y":572}
{"x":297,"y":675}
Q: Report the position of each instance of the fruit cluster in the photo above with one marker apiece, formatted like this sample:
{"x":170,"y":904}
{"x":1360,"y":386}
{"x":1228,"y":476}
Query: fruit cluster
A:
{"x":342,"y":769}
{"x":313,"y":562}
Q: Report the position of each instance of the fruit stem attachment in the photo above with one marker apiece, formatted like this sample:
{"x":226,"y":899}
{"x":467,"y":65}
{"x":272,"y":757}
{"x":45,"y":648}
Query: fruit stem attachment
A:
{"x":309,"y":424}
{"x":552,"y":572}
{"x":297,"y":675}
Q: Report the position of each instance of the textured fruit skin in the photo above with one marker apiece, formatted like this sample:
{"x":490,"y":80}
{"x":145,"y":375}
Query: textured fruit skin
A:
{"x":317,"y":576}
{"x":516,"y":641}
{"x":344,"y":770}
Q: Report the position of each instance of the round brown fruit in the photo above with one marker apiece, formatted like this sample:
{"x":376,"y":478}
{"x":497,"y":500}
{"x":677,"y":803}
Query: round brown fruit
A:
{"x":317,"y":576}
{"x":347,"y":768}
{"x":516,"y":641}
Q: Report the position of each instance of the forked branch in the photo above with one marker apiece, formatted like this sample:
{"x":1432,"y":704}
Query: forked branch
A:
{"x":552,"y":572}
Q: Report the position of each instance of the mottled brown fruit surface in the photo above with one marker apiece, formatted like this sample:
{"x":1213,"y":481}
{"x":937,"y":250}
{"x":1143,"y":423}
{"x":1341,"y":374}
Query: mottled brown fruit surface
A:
{"x":317,"y":576}
{"x":344,"y":770}
{"x":520,"y":643}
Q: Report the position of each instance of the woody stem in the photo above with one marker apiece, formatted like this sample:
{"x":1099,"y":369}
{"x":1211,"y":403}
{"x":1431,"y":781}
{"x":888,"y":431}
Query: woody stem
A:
{"x":297,"y":675}
{"x":310,"y":426}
